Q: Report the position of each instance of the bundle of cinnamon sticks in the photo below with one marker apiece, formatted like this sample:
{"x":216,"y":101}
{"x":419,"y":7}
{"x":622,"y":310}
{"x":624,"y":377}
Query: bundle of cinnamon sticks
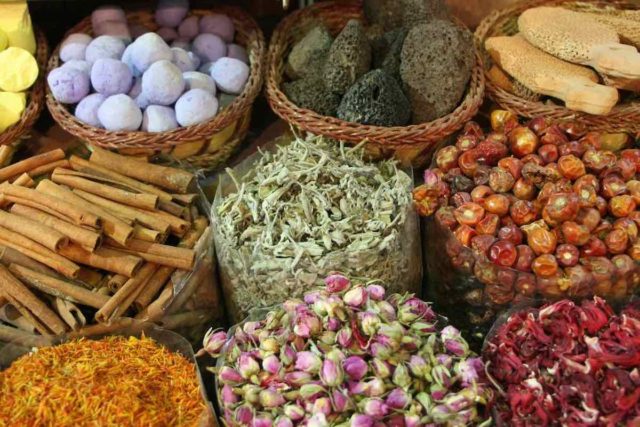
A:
{"x":101,"y":236}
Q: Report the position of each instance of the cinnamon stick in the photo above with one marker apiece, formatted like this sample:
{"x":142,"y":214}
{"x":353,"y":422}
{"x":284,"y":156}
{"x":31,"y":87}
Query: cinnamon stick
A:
{"x":89,"y":278}
{"x":186,"y":256}
{"x":114,"y":227}
{"x":70,"y":313}
{"x":144,"y":217}
{"x":44,"y":169}
{"x":172,"y":208}
{"x":107,"y":259}
{"x":143,"y":233}
{"x":47,"y":237}
{"x":35,"y":199}
{"x":13,"y":289}
{"x":59,"y":288}
{"x":156,"y":309}
{"x":115,"y":306}
{"x":177,"y":225}
{"x":116,"y":282}
{"x":10,"y":256}
{"x":6,"y":153}
{"x":185,"y":199}
{"x":30,"y":164}
{"x":180,"y":264}
{"x":153,"y":286}
{"x":79,"y":235}
{"x":138,"y":200}
{"x":81,"y":165}
{"x":38,"y":252}
{"x":171,"y":179}
{"x":25,"y":339}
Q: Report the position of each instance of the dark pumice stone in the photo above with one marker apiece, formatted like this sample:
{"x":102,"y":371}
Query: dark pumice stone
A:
{"x":311,"y":94}
{"x":376,"y":99}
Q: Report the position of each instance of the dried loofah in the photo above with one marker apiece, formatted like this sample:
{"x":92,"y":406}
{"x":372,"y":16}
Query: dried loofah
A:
{"x":548,"y":75}
{"x":628,"y":30}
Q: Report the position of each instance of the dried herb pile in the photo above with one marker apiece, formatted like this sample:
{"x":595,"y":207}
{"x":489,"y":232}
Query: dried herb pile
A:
{"x":309,"y":208}
{"x":349,"y":355}
{"x":568,"y":364}
{"x":111,"y":382}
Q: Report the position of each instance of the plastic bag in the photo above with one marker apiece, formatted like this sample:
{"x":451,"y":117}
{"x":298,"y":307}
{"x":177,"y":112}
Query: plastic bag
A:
{"x":163,"y":337}
{"x":250,"y":280}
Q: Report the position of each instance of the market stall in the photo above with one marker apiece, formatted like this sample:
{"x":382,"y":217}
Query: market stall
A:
{"x":409,"y":224}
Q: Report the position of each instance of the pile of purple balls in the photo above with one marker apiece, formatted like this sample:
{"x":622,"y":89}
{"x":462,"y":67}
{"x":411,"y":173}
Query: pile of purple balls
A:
{"x":128,"y":78}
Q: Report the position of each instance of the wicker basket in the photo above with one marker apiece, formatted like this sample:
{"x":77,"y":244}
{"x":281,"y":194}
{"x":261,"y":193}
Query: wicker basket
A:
{"x":412,"y":144}
{"x":625,"y":117}
{"x":35,"y":101}
{"x":203,"y":146}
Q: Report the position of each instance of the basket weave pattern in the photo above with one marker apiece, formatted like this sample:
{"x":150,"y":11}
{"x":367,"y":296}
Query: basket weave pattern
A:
{"x":35,"y":101}
{"x":248,"y":34}
{"x":412,"y":144}
{"x":625,"y":117}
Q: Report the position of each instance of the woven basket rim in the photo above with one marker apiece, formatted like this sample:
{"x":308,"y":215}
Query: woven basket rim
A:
{"x":256,"y":49}
{"x":623,"y":116}
{"x":394,"y":136}
{"x":35,"y":102}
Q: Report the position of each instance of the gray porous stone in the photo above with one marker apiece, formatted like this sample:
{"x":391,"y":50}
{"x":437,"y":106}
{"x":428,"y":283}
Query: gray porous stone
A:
{"x":387,"y":52}
{"x":309,"y":54}
{"x":310,"y":93}
{"x":437,"y":59}
{"x":392,"y":14}
{"x":349,"y":58}
{"x":376,"y":99}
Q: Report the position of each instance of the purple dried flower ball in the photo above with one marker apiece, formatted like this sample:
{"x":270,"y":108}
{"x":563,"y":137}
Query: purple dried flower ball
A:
{"x":189,"y":28}
{"x":162,"y":83}
{"x":167,"y":34}
{"x":196,"y":106}
{"x":111,"y":77}
{"x":237,"y":52}
{"x":209,"y":47}
{"x":158,"y":118}
{"x":230,"y":75}
{"x":183,"y":60}
{"x":148,"y":49}
{"x":120,"y":113}
{"x":74,"y":47}
{"x":87,"y":109}
{"x":116,"y":29}
{"x":197,"y":80}
{"x":107,"y":13}
{"x":104,"y":47}
{"x":78,"y":64}
{"x":170,"y":13}
{"x":68,"y":85}
{"x":218,"y":24}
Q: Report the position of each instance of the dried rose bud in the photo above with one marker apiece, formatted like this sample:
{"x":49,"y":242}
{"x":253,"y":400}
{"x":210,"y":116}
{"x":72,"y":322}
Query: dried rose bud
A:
{"x":376,"y":292}
{"x":293,"y":411}
{"x":344,"y":337}
{"x":262,"y":421}
{"x":213,"y":341}
{"x":401,"y":376}
{"x":337,"y":283}
{"x":229,"y":375}
{"x":247,"y":366}
{"x":227,"y":395}
{"x":243,"y":415}
{"x":331,"y":373}
{"x":271,"y":398}
{"x":308,"y":391}
{"x":361,"y":420}
{"x":271,"y":364}
{"x":322,"y":405}
{"x":375,"y":408}
{"x":283,"y":422}
{"x":307,"y":361}
{"x":381,"y":368}
{"x":356,"y":297}
{"x":355,"y":367}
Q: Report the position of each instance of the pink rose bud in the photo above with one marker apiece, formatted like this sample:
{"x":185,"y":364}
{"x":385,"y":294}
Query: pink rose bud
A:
{"x":340,"y":400}
{"x":356,"y":387}
{"x":469,"y":370}
{"x":398,"y":399}
{"x":307,"y":324}
{"x":355,"y":297}
{"x":270,"y":345}
{"x":376,"y":292}
{"x":457,"y":402}
{"x":423,"y":327}
{"x":251,"y":393}
{"x":243,"y":415}
{"x":311,"y":297}
{"x":287,"y":355}
{"x":376,"y":408}
{"x":283,"y":422}
{"x":420,"y":309}
{"x":271,"y":398}
{"x":337,"y":283}
{"x":369,"y":322}
{"x":322,"y":405}
{"x":247,"y":366}
{"x":381,"y":368}
{"x":375,"y":388}
{"x":310,"y":391}
{"x":297,"y":378}
{"x":355,"y":367}
{"x":412,"y":421}
{"x":441,"y":414}
{"x":228,"y":396}
{"x":425,"y":400}
{"x":455,"y":347}
{"x":214,"y":341}
{"x":396,"y":421}
{"x":441,"y":375}
{"x":444,"y":360}
{"x":308,"y":362}
{"x":361,"y":420}
{"x":437,"y":391}
{"x":318,"y":420}
{"x":271,"y":364}
{"x":333,"y":324}
{"x":430,"y":179}
{"x":291,"y":305}
{"x":293,"y":411}
{"x":401,"y":376}
{"x":229,"y":376}
{"x":331,"y":373}
{"x":380,"y":351}
{"x":345,"y":337}
{"x":386,"y":311}
{"x":262,"y":421}
{"x":251,"y":328}
{"x":418,"y":366}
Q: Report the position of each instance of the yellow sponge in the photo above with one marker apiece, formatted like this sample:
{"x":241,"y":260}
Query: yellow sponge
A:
{"x":12,"y":105}
{"x":15,"y":21}
{"x":18,"y":70}
{"x":4,"y":41}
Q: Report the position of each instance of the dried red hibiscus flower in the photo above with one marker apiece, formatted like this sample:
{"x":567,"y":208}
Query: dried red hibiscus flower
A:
{"x":568,"y":365}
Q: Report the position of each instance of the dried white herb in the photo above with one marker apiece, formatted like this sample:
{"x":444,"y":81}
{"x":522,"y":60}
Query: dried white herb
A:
{"x":309,"y":208}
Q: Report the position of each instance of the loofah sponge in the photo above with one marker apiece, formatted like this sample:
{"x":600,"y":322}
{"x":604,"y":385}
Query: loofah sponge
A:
{"x":627,"y":29}
{"x":578,"y":37}
{"x":548,"y":75}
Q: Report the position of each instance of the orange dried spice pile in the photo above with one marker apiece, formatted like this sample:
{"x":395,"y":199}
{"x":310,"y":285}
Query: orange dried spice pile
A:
{"x":116,"y":381}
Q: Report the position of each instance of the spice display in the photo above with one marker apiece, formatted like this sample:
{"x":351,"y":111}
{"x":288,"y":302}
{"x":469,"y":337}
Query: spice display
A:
{"x":18,"y":66}
{"x":289,"y":217}
{"x":112,"y":381}
{"x":567,"y":364}
{"x":532,"y":210}
{"x":384,"y":74}
{"x":147,"y":83}
{"x":554,"y":49}
{"x":349,"y":354}
{"x":102,"y":238}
